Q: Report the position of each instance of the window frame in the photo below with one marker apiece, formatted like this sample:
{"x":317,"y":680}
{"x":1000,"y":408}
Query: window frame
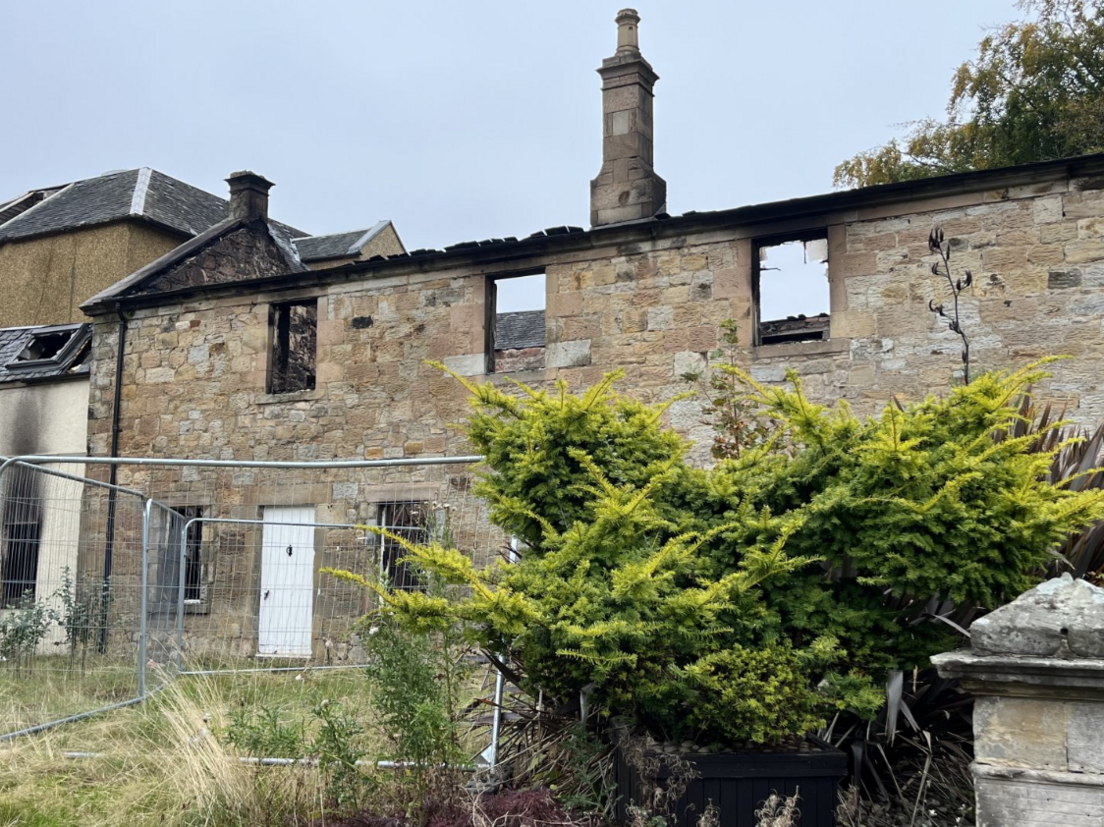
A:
{"x":776,"y":240}
{"x":392,"y":568}
{"x":276,"y":315}
{"x":490,"y":321}
{"x":27,"y":551}
{"x":195,"y":566}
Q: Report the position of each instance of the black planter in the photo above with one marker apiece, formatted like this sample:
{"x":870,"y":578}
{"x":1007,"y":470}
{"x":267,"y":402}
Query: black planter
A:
{"x":739,"y":782}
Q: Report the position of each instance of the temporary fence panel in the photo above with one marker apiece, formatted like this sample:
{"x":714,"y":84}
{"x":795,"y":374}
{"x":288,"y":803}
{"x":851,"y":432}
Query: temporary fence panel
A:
{"x":69,"y":624}
{"x":198,"y":572}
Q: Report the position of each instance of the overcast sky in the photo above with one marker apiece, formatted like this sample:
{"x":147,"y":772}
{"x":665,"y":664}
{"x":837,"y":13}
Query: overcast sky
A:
{"x":463,"y":121}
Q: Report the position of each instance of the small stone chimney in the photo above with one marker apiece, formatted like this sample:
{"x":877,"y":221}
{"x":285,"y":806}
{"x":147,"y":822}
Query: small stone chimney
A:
{"x":627,"y":187}
{"x":248,"y":195}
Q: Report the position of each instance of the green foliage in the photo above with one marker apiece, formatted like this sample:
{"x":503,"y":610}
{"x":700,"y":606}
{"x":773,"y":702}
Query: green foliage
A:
{"x":738,"y":424}
{"x":546,"y":440}
{"x":331,"y":737}
{"x":265,"y":733}
{"x":79,"y":615}
{"x":819,"y":556}
{"x":414,"y":692}
{"x":335,"y":747}
{"x":752,"y":694}
{"x":22,"y":627}
{"x":1035,"y":91}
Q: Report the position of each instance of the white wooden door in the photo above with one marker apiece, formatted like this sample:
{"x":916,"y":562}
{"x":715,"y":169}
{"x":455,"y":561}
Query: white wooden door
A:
{"x":287,"y":582}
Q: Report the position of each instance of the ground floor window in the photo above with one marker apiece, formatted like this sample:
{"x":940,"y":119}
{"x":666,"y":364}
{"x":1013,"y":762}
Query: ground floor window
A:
{"x":408,"y":520}
{"x":20,"y":563}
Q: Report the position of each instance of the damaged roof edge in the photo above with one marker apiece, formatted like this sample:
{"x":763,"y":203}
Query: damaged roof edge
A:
{"x":629,"y":232}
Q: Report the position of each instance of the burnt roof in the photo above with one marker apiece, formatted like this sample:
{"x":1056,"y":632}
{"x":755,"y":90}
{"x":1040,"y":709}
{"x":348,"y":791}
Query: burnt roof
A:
{"x":144,"y":275}
{"x":144,"y":194}
{"x":521,"y":329}
{"x":337,"y":245}
{"x":71,"y":360}
{"x":815,"y":209}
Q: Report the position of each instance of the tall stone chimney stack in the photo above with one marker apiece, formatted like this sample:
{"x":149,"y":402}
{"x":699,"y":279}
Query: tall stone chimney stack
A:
{"x":248,"y":195}
{"x":627,"y":187}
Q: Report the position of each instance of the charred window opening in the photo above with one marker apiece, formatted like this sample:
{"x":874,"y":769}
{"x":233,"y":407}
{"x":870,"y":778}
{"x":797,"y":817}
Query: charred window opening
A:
{"x":790,"y":289}
{"x":22,"y":538}
{"x":44,"y":346}
{"x":515,"y":323}
{"x":193,"y":554}
{"x":294,"y":344}
{"x":410,"y":521}
{"x":53,"y":346}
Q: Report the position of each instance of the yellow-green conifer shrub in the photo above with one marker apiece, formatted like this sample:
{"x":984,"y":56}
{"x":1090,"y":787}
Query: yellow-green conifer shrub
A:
{"x":655,"y":588}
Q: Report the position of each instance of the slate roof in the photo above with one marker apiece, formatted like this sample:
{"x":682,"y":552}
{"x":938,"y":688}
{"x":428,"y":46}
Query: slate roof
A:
{"x":145,"y":194}
{"x":336,"y":245}
{"x":514,"y":331}
{"x":72,"y":361}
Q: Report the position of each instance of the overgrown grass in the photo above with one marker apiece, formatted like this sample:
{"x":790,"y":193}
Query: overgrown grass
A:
{"x":170,"y":760}
{"x":46,"y":689}
{"x":167,"y":761}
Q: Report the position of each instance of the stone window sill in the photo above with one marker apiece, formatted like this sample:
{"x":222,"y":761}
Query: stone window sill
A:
{"x":788,"y":350}
{"x":295,"y":396}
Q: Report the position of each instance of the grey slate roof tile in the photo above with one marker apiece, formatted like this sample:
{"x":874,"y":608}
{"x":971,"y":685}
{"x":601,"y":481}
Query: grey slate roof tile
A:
{"x":514,"y":331}
{"x":142,"y":193}
{"x":95,"y":201}
{"x":182,"y":206}
{"x":336,"y":245}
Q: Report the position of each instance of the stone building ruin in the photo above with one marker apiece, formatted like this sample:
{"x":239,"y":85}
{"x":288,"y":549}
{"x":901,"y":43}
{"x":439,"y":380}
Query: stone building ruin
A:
{"x":229,"y":349}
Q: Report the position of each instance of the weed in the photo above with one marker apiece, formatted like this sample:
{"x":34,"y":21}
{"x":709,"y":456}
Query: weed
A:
{"x":337,"y":753}
{"x":22,"y":628}
{"x":779,"y":811}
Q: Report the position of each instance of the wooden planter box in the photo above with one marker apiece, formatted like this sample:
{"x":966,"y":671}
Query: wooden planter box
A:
{"x":738,"y":784}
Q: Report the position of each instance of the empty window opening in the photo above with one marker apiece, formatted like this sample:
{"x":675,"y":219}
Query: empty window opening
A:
{"x":194,"y":585}
{"x":410,"y":521}
{"x":790,"y":287}
{"x":20,"y":563}
{"x":45,"y":346}
{"x":171,"y":567}
{"x":515,"y":324}
{"x":22,"y":537}
{"x":294,"y":344}
{"x":52,"y":346}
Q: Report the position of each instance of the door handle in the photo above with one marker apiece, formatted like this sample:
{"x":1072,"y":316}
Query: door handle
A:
{"x":289,"y":551}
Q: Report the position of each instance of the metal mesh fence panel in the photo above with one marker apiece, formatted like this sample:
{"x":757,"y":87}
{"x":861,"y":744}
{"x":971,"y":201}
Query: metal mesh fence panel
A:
{"x":214,"y":567}
{"x":69,"y":626}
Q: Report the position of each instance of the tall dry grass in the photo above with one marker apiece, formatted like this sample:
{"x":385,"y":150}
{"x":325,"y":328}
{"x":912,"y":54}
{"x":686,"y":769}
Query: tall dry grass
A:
{"x":165,"y":762}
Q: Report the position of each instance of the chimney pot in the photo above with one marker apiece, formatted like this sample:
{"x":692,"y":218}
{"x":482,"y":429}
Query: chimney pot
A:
{"x":248,"y":195}
{"x":628,"y":39}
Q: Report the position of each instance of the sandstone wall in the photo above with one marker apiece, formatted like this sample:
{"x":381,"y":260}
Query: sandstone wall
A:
{"x":195,"y":372}
{"x":650,"y":304}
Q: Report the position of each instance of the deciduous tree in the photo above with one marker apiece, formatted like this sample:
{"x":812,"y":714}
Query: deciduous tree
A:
{"x":1035,"y":91}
